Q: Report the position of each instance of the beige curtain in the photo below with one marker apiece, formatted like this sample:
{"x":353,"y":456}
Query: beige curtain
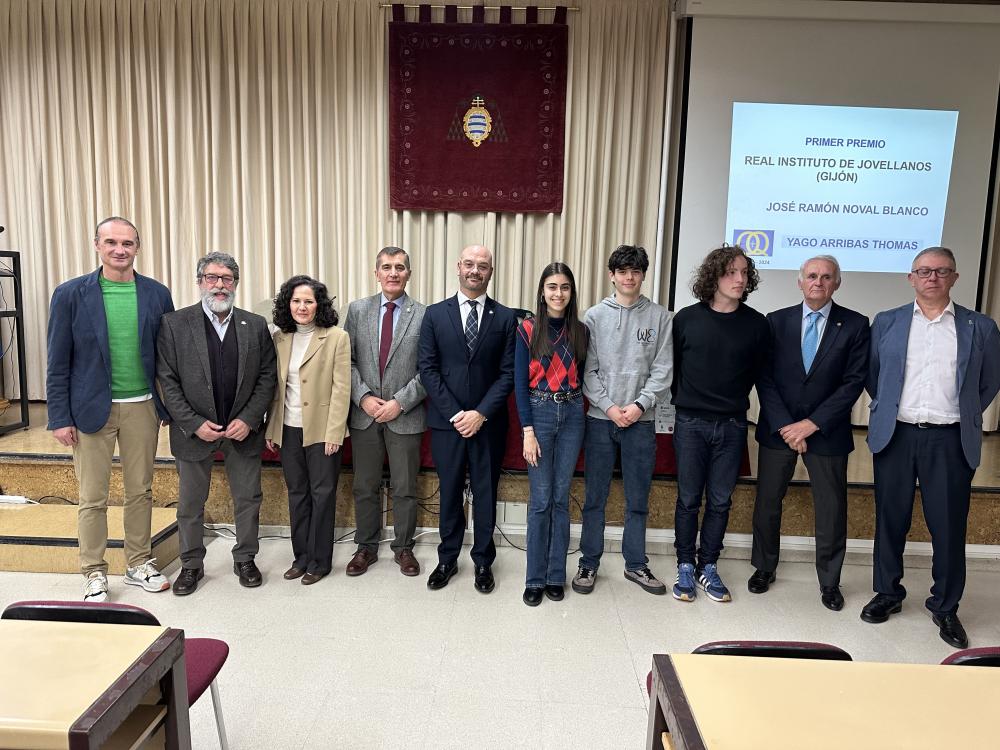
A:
{"x":258,"y":127}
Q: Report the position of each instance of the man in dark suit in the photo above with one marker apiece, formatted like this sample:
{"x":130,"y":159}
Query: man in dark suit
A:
{"x":387,"y":416}
{"x":217,"y":371}
{"x":816,"y":374}
{"x":101,"y":390}
{"x":467,"y":367}
{"x":934,"y":368}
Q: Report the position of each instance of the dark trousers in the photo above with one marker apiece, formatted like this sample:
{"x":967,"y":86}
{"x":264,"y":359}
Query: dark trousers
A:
{"x":369,"y":449}
{"x":311,"y":477}
{"x":481,"y":455}
{"x":709,"y":453}
{"x":195,"y":479}
{"x":933,"y":456}
{"x":828,"y":480}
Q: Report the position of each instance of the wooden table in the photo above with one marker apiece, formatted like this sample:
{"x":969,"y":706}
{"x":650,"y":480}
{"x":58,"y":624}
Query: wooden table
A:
{"x":744,"y":703}
{"x":77,"y":685}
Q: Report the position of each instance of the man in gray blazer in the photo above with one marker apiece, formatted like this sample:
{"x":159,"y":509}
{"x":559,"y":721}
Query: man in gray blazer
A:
{"x":216,"y":369}
{"x":387,"y":411}
{"x":933,"y":370}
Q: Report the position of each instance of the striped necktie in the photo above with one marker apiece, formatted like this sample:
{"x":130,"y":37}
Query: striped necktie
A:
{"x":471,"y":326}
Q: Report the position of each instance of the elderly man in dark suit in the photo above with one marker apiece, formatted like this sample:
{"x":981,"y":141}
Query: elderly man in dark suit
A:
{"x":217,"y":371}
{"x":467,"y":366}
{"x":387,"y":415}
{"x":934,"y":368}
{"x":101,"y":391}
{"x":816,"y":374}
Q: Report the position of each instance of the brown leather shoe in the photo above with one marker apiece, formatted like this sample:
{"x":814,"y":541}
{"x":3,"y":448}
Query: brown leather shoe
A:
{"x":292,"y":573}
{"x":310,"y":578}
{"x":407,"y":563}
{"x":361,"y":561}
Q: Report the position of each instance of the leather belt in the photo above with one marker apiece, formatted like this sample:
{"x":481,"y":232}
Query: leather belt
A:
{"x":558,"y":396}
{"x":930,"y":425}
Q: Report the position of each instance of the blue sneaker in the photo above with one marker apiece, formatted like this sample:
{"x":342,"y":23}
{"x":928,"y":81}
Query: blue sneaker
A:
{"x":712,"y":585}
{"x":684,"y":583}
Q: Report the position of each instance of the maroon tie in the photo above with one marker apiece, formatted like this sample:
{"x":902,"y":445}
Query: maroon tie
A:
{"x":385,"y":339}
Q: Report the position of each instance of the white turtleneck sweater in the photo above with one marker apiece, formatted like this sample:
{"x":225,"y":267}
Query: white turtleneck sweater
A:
{"x":293,"y":390}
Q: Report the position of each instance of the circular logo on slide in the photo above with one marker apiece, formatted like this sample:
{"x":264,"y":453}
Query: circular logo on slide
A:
{"x":754,"y":241}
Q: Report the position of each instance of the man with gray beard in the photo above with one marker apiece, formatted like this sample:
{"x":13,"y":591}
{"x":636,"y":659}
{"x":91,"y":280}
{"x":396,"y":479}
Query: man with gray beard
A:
{"x":217,"y":371}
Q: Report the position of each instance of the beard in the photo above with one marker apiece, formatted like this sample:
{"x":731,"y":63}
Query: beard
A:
{"x":219,"y":307}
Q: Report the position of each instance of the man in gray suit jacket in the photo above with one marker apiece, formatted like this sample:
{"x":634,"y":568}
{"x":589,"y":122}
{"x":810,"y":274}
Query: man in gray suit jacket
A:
{"x":216,"y":369}
{"x":933,"y":370}
{"x":387,"y":410}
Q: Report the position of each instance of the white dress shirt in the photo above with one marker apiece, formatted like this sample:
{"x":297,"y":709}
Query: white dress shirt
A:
{"x":464,"y":307}
{"x":930,"y":380}
{"x":824,"y":316}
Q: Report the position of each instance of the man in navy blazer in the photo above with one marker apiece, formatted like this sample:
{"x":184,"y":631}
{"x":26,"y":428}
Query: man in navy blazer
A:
{"x":466,"y":362}
{"x":101,"y":389}
{"x":816,"y":374}
{"x":934,"y":368}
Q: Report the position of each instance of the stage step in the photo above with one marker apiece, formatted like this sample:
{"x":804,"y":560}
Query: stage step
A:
{"x":43,"y":539}
{"x":37,"y":477}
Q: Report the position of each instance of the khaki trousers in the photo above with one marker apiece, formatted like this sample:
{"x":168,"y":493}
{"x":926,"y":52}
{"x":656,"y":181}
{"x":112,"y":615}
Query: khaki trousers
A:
{"x":135,"y":427}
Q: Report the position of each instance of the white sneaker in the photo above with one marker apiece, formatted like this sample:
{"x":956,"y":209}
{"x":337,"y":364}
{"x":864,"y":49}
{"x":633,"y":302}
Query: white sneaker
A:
{"x":147,"y":576}
{"x":96,"y":587}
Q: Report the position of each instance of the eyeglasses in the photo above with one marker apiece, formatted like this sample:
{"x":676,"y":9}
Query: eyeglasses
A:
{"x":212,"y":279}
{"x":942,"y":273}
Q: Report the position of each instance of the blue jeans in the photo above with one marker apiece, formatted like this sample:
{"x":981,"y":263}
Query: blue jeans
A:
{"x":559,"y":432}
{"x":709,"y":453}
{"x":638,"y":450}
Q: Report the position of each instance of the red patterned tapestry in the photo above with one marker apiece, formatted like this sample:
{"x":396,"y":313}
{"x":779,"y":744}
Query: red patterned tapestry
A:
{"x":477,"y":113}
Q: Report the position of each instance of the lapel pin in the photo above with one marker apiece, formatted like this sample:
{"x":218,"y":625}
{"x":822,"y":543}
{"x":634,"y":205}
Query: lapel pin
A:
{"x":838,"y":325}
{"x":243,"y":322}
{"x":491,"y":312}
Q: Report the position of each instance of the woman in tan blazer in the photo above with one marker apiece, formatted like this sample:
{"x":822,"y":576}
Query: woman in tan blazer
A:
{"x":308,"y":418}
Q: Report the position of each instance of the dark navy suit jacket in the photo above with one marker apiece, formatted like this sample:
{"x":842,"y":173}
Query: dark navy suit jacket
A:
{"x":978,"y":376}
{"x":827,"y":393}
{"x":456,"y":381}
{"x":78,"y":382}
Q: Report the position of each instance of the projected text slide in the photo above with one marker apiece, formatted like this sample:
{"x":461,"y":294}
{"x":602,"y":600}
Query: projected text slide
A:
{"x":867,"y":185}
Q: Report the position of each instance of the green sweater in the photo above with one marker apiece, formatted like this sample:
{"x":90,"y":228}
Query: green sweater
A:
{"x":121,"y":307}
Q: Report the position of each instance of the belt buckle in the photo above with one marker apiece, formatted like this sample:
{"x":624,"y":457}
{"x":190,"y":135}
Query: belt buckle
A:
{"x":922,"y":425}
{"x":559,"y":397}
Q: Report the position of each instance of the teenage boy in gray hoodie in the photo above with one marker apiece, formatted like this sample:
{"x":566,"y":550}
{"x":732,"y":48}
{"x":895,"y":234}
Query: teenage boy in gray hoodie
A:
{"x":628,"y":372}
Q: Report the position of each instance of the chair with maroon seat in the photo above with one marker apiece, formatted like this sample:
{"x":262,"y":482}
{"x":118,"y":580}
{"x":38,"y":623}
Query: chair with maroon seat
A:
{"x":203,"y":657}
{"x":773,"y":649}
{"x":987,"y":656}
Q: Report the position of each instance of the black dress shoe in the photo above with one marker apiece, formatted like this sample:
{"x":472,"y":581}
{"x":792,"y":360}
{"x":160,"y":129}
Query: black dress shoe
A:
{"x":760,"y":581}
{"x":951,"y":630}
{"x":831,"y":597}
{"x":880,"y":607}
{"x":249,"y":574}
{"x":484,"y":579}
{"x":555,"y":593}
{"x":187,"y":581}
{"x":441,"y":575}
{"x":533,"y":596}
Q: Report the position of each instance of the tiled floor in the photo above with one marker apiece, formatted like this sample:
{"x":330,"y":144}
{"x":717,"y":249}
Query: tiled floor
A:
{"x":380,"y":661}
